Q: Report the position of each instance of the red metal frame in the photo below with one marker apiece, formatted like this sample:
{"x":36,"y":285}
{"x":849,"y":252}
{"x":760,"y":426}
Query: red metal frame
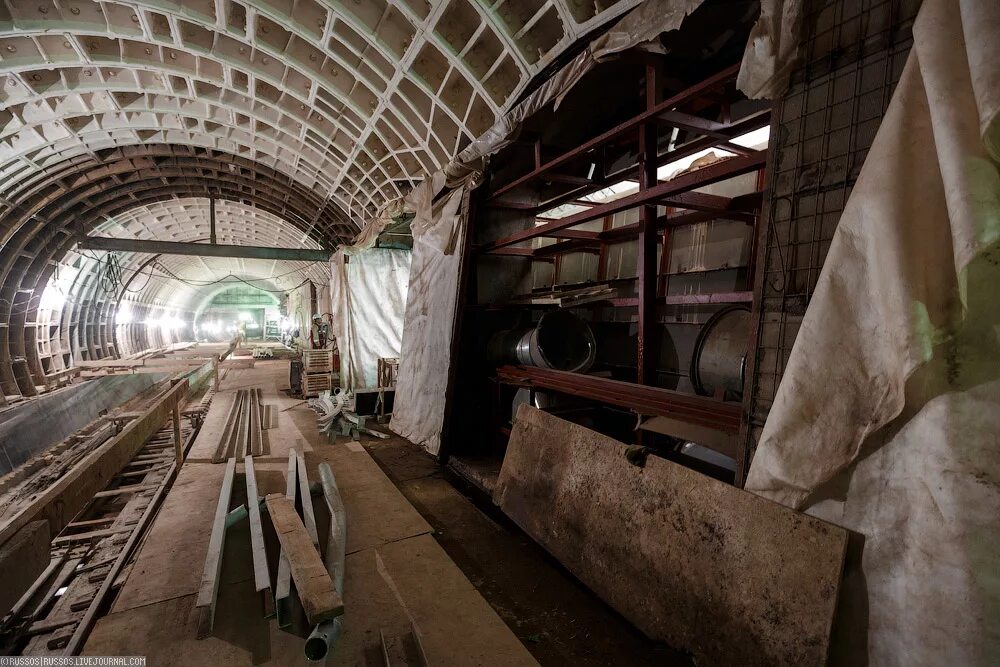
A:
{"x":685,"y":206}
{"x":650,"y":114}
{"x":644,"y":400}
{"x":657,"y":194}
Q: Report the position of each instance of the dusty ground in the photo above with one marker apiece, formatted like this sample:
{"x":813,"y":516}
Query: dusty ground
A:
{"x":557,"y":618}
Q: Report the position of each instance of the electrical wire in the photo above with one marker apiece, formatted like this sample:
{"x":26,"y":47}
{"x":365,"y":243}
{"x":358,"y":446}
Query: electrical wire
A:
{"x":113,"y":271}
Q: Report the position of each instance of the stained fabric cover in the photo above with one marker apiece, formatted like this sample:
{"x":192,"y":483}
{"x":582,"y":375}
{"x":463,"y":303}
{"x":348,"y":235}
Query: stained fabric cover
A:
{"x":368,"y":291}
{"x":439,"y":230}
{"x":772,"y":50}
{"x":887,"y":419}
{"x":636,"y":29}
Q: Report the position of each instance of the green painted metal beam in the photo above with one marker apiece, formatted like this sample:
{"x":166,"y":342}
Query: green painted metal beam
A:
{"x":203,"y":249}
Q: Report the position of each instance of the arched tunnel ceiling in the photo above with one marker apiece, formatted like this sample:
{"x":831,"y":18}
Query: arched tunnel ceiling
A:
{"x":176,"y":281}
{"x":300,"y":117}
{"x":353,"y":99}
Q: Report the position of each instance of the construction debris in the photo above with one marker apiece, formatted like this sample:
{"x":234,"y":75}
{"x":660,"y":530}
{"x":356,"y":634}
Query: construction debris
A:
{"x":56,"y":613}
{"x":337,"y":418}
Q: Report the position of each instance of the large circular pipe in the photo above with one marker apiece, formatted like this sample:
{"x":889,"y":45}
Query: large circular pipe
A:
{"x":720,"y":352}
{"x":561,"y":341}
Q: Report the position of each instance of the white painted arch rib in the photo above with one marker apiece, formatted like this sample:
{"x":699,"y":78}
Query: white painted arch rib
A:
{"x":356,"y":99}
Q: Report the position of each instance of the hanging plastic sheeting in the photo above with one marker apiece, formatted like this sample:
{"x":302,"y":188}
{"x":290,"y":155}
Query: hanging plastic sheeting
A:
{"x":887,"y":419}
{"x":772,"y":50}
{"x":637,"y":28}
{"x":425,"y":361}
{"x":368,"y":290}
{"x":300,"y":310}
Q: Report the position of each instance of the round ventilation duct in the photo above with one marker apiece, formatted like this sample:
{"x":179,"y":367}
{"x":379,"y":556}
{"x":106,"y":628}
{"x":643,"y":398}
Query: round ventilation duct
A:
{"x":561,"y":341}
{"x":719,"y":358}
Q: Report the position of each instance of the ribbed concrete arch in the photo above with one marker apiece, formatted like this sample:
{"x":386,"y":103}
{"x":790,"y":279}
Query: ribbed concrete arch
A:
{"x":301,"y":118}
{"x":378,"y":91}
{"x":42,"y":217}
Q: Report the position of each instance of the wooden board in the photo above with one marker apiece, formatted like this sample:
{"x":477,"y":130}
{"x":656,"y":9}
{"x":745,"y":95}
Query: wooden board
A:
{"x":319,"y":598}
{"x":457,"y":626}
{"x":377,"y":513}
{"x":61,"y":501}
{"x":22,"y":559}
{"x":691,"y":561}
{"x":167,"y":565}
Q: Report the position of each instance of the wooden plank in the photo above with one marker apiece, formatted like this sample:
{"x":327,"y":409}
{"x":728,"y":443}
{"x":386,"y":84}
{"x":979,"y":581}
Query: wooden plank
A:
{"x":22,"y":559}
{"x":208,"y":592}
{"x":135,"y":488}
{"x":694,"y":562}
{"x":261,"y":573}
{"x":316,"y":591}
{"x":178,"y":443}
{"x":93,"y":535}
{"x":60,"y":502}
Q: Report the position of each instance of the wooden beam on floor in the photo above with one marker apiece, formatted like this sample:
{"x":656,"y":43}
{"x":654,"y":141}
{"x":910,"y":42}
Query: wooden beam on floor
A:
{"x":314,"y":584}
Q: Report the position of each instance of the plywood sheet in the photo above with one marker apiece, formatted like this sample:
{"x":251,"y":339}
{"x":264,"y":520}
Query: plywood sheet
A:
{"x":691,"y":561}
{"x":169,"y":563}
{"x":377,"y":512}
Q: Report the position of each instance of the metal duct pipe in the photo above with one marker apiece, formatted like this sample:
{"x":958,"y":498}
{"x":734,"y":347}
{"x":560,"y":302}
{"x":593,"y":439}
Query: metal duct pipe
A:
{"x":720,"y":352}
{"x":561,"y":341}
{"x":324,"y":636}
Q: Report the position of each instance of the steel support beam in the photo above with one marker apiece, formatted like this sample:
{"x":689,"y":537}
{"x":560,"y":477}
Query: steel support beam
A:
{"x":651,"y":401}
{"x":648,"y":239}
{"x":203,"y":249}
{"x":720,"y":171}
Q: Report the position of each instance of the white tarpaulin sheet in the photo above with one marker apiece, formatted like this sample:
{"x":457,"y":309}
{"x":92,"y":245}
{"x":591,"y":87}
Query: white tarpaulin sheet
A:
{"x":432,"y":301}
{"x":887,"y":419}
{"x":637,"y":28}
{"x":772,"y":50}
{"x":368,"y":288}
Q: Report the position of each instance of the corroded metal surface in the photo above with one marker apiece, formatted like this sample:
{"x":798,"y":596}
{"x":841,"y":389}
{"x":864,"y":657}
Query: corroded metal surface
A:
{"x":691,"y":561}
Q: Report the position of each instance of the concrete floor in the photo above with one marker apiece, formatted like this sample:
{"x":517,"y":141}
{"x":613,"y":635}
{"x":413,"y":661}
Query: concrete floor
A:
{"x":559,"y":620}
{"x":420,"y":551}
{"x":398,"y":578}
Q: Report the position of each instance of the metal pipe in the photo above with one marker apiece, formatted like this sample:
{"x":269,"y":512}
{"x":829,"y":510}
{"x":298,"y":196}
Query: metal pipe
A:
{"x":560,"y":340}
{"x":720,"y":352}
{"x":324,"y":636}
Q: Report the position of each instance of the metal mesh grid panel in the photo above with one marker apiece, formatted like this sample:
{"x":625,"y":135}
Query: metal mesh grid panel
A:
{"x":854,"y":53}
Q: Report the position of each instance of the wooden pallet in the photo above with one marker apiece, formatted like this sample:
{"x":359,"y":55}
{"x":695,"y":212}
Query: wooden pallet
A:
{"x":317,"y":361}
{"x":314,"y":383}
